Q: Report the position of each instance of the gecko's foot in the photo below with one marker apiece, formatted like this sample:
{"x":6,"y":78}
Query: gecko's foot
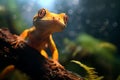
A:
{"x":56,"y":64}
{"x":18,"y":42}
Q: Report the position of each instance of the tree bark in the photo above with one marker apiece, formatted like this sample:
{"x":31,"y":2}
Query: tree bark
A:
{"x":29,"y":60}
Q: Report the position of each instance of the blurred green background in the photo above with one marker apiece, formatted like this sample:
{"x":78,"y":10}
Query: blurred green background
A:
{"x":91,"y":37}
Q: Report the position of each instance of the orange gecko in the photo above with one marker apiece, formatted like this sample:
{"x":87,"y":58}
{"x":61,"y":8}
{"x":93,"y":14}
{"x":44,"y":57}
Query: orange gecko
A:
{"x":39,"y":36}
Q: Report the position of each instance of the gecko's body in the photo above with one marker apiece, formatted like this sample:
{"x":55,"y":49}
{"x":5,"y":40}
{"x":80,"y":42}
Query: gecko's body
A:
{"x":40,"y":35}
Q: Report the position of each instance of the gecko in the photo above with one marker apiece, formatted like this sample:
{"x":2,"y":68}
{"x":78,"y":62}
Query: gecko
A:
{"x":39,"y":36}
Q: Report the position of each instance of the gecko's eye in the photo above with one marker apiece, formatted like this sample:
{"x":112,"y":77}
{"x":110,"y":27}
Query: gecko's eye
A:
{"x":65,"y":19}
{"x":41,"y":13}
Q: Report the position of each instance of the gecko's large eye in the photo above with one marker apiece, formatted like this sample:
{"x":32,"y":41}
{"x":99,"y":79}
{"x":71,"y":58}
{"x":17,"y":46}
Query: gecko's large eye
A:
{"x":41,"y":13}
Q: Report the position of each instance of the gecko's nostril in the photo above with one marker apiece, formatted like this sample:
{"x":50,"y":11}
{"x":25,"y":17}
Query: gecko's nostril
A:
{"x":65,"y":19}
{"x":54,"y":18}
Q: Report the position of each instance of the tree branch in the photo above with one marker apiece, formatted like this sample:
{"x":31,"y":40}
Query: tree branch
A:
{"x":29,"y":60}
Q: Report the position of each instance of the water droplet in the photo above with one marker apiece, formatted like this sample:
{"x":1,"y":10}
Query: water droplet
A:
{"x":115,"y":24}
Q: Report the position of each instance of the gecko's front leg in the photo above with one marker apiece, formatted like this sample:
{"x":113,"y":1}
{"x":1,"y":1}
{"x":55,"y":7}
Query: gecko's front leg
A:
{"x":53,"y":48}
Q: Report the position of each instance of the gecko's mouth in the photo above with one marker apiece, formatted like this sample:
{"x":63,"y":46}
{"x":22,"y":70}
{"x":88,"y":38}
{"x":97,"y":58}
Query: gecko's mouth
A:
{"x":49,"y":23}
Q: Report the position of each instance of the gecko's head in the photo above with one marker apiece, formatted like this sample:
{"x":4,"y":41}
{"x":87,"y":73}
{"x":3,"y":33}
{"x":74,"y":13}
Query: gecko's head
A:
{"x":45,"y":20}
